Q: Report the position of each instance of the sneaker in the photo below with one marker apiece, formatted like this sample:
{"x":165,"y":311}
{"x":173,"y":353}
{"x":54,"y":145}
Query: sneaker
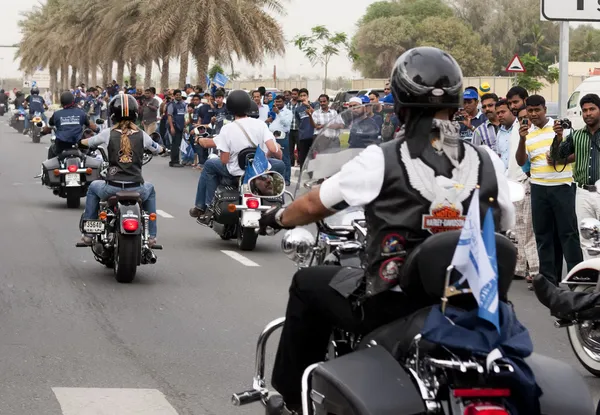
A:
{"x":196,"y":213}
{"x":175,"y":165}
{"x":86,"y":240}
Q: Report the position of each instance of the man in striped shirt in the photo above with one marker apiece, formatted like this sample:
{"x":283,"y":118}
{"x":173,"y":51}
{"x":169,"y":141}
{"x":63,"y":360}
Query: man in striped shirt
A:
{"x":485,"y":134}
{"x":584,"y":147}
{"x":552,"y":192}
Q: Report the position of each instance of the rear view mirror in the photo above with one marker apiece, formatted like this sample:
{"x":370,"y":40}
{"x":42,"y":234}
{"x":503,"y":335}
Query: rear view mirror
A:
{"x":40,"y":124}
{"x":155,"y":136}
{"x":268,"y":185}
{"x":99,"y":121}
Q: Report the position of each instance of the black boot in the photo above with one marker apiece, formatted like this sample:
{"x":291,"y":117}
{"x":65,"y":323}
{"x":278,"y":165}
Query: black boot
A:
{"x":566,"y":304}
{"x":276,"y":406}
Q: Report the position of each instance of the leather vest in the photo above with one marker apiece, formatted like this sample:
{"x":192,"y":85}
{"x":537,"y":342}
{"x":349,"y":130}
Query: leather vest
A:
{"x":125,"y":167}
{"x":413,"y":205}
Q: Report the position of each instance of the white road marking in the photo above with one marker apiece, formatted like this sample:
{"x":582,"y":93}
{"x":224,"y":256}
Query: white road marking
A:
{"x":164,"y":214}
{"x":17,"y":184}
{"x":101,"y":401}
{"x":240,"y":258}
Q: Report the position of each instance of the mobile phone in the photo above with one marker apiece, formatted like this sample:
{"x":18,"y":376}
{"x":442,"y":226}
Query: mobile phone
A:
{"x":525,"y":121}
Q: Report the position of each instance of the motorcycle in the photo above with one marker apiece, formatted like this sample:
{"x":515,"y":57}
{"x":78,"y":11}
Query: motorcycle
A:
{"x":3,"y":109}
{"x":71,"y":172}
{"x":36,"y":125}
{"x":17,"y":120}
{"x":394,"y":369}
{"x":120,"y":234}
{"x":237,"y":206}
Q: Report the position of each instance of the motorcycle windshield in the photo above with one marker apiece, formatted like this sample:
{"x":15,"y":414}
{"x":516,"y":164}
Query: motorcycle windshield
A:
{"x":342,"y":138}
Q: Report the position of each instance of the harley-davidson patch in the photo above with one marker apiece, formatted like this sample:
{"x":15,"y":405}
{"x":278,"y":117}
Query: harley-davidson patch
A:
{"x":112,"y":171}
{"x":390,"y":269}
{"x":442,"y":219}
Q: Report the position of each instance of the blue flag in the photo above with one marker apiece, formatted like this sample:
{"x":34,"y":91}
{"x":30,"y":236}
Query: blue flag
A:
{"x":488,"y":308}
{"x":220,"y":80}
{"x":207,"y":81}
{"x":258,"y":166}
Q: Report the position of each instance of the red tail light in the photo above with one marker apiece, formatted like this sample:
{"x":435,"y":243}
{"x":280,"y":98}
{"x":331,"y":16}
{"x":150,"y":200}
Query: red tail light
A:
{"x":481,"y":393}
{"x":72,"y":168}
{"x":130,"y":225}
{"x":252,"y":203}
{"x":485,"y":409}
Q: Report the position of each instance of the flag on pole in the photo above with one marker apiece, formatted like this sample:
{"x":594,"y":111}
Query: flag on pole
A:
{"x":207,"y":81}
{"x":220,"y":80}
{"x":475,"y":259}
{"x":259,"y":165}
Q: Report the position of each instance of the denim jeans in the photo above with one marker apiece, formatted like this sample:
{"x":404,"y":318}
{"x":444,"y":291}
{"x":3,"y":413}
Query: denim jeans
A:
{"x":28,"y":118}
{"x":211,"y":176}
{"x":285,"y":143}
{"x":100,"y":190}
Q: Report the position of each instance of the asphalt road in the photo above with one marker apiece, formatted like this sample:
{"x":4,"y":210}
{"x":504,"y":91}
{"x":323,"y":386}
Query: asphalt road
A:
{"x":179,"y":340}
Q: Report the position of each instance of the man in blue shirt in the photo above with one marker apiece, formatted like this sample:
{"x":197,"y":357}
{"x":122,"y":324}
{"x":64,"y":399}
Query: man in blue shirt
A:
{"x":176,"y":112}
{"x":69,"y":123}
{"x":470,"y":116}
{"x":365,"y":127}
{"x":306,"y":125}
{"x":35,"y":103}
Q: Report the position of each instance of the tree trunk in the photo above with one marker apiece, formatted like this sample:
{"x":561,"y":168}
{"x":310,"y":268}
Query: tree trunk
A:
{"x":73,"y":77}
{"x":164,"y":73}
{"x":133,"y":73}
{"x":120,"y":72}
{"x":184,"y":61}
{"x":201,"y":67}
{"x":325,"y":81}
{"x":94,"y":74}
{"x":53,"y":82}
{"x":64,"y":76}
{"x":106,"y":73}
{"x":148,"y":74}
{"x":85,"y":74}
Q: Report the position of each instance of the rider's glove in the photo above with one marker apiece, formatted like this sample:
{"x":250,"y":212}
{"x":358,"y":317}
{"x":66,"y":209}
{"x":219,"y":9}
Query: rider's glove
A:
{"x":272,"y":219}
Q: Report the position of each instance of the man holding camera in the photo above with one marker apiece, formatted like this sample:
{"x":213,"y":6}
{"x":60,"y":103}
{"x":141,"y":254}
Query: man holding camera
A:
{"x":469,"y":117}
{"x":583,"y":148}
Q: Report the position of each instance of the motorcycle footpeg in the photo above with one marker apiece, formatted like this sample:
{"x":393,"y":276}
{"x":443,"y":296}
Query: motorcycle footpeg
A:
{"x":157,"y":246}
{"x":81,"y":245}
{"x":244,"y":398}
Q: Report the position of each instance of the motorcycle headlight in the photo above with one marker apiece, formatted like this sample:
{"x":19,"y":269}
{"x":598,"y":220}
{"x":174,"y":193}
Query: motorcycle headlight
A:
{"x":589,"y":228}
{"x":297,"y":244}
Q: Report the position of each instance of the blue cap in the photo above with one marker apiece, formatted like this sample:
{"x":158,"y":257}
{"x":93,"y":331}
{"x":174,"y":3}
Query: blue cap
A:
{"x":365,"y":99}
{"x":470,"y":94}
{"x":388,"y":99}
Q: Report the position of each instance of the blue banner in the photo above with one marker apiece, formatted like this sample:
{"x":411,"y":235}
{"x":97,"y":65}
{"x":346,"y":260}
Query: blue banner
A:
{"x":220,"y":80}
{"x":258,"y":166}
{"x":207,"y":81}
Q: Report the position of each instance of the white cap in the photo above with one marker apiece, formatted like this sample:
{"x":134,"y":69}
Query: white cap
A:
{"x":356,"y":99}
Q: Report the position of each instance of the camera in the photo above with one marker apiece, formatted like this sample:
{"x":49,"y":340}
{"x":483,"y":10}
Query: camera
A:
{"x":565,"y":123}
{"x":458,"y":117}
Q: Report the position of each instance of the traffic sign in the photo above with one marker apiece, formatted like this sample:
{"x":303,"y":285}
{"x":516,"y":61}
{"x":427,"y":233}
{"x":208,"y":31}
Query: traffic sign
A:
{"x":571,"y":10}
{"x":515,"y":65}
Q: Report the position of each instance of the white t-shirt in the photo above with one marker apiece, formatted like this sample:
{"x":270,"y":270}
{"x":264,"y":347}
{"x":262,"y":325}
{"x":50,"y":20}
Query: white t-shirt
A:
{"x":359,"y":182}
{"x":160,"y":101}
{"x":232,"y":140}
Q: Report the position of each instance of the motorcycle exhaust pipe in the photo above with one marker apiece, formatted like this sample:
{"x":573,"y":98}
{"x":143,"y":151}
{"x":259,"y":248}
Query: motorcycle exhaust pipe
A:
{"x":56,"y":192}
{"x":150,"y":257}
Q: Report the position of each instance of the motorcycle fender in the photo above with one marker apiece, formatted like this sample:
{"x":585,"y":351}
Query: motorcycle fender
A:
{"x":250,"y":218}
{"x":558,"y":381}
{"x":130,"y":212}
{"x":584,"y":273}
{"x":336,"y":387}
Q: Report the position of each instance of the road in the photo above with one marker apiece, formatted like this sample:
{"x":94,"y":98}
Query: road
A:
{"x":179,"y":340}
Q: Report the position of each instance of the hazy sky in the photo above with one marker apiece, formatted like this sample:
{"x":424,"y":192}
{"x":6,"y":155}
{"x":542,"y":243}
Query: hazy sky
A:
{"x":337,"y":15}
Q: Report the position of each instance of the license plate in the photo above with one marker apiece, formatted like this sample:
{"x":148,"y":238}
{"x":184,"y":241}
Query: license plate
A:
{"x":250,"y":218}
{"x":93,"y":226}
{"x":21,"y":118}
{"x":72,"y":179}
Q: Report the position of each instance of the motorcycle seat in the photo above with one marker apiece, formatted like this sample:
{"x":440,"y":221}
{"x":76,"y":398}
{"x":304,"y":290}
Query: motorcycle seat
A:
{"x":69,"y":153}
{"x":230,"y":181}
{"x":123,"y":196}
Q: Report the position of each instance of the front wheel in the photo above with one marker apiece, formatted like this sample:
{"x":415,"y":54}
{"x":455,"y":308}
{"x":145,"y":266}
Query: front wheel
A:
{"x":73,"y":198}
{"x":246,"y":238}
{"x":127,"y":251}
{"x":585,"y":340}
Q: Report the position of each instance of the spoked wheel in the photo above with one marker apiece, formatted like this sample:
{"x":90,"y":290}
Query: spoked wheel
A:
{"x":127,"y":250}
{"x":585,"y":340}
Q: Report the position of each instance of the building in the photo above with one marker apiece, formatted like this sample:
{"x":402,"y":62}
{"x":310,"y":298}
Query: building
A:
{"x":581,"y":68}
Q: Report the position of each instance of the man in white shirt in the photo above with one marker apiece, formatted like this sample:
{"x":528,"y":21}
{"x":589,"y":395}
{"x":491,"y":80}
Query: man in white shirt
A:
{"x":243,"y":133}
{"x":280,"y":127}
{"x":263,"y":110}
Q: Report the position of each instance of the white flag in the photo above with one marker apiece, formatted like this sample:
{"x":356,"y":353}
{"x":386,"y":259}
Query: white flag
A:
{"x":471,"y":258}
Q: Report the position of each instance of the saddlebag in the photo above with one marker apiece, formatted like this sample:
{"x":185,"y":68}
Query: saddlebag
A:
{"x":563,"y":389}
{"x":95,"y":165}
{"x":224,"y":196}
{"x":48,"y":177}
{"x":366,"y":382}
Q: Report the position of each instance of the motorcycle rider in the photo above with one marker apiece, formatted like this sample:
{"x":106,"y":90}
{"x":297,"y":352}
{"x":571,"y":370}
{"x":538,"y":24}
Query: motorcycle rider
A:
{"x":427,"y":166}
{"x":243,"y":133}
{"x":69,"y":123}
{"x":3,"y":100}
{"x":35,"y":103}
{"x":125,"y":144}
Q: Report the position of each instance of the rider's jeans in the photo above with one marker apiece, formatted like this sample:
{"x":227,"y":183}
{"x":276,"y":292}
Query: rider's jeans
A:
{"x":100,"y":190}
{"x":314,"y":309}
{"x":28,"y":119}
{"x":211,"y":176}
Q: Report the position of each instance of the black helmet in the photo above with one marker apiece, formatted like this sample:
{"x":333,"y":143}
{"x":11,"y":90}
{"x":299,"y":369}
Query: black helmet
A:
{"x":35,"y":91}
{"x":253,"y":111}
{"x":123,"y":107}
{"x":238,"y":102}
{"x":426,"y":77}
{"x":66,"y":99}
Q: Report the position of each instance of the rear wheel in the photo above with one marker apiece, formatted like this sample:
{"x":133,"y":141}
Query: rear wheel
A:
{"x":585,"y":339}
{"x":35,"y":134}
{"x":73,"y":198}
{"x":246,"y":238}
{"x":127,"y":250}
